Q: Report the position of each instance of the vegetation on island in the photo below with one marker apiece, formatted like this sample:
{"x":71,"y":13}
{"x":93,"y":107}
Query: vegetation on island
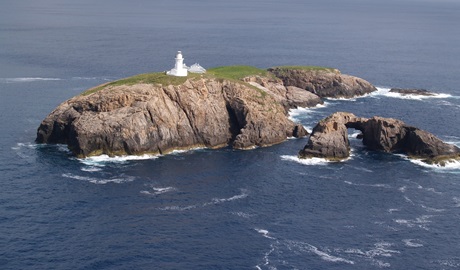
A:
{"x":307,"y":68}
{"x":234,"y":73}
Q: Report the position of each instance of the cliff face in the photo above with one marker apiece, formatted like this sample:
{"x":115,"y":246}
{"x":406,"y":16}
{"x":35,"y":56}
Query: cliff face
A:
{"x":151,"y":118}
{"x":324,"y":82}
{"x":329,"y":139}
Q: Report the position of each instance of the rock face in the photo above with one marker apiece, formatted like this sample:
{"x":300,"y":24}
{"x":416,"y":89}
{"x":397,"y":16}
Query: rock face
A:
{"x":329,"y":139}
{"x":152,"y":118}
{"x":326,"y":83}
{"x":290,"y":96}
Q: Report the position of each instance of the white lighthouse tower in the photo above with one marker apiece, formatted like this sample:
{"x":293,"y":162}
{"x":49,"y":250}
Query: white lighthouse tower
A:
{"x":180,"y":69}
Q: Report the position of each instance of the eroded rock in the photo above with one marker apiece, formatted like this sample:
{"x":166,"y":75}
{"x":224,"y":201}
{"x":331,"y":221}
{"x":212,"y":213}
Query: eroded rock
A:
{"x":329,"y":139}
{"x":148,"y":118}
{"x":326,"y":83}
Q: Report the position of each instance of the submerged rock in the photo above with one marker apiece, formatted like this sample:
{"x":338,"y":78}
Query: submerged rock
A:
{"x":329,"y":139}
{"x":407,"y":91}
{"x":324,"y":82}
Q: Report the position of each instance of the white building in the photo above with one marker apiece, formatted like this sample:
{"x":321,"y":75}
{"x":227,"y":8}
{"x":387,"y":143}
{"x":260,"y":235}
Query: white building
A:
{"x":180,"y":69}
{"x":196,"y":68}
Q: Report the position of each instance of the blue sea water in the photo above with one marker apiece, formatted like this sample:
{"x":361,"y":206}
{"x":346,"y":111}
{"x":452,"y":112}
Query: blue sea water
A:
{"x":227,"y":209}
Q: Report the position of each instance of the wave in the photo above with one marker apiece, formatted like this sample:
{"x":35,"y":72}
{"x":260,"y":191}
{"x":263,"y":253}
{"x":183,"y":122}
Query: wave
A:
{"x":27,"y":79}
{"x":450,"y":165}
{"x":368,"y":185}
{"x":102,"y":159}
{"x":381,"y":249}
{"x":244,"y":193}
{"x":280,"y":250}
{"x":158,"y":190}
{"x":91,"y":169}
{"x":301,"y":113}
{"x":264,"y":233}
{"x":412,"y":243}
{"x":302,"y":246}
{"x":99,"y":181}
{"x":242,"y":214}
{"x":420,"y":222}
{"x":312,"y":161}
{"x":384,"y":91}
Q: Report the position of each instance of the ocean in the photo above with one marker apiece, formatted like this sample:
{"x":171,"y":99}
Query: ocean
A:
{"x":229,"y":209}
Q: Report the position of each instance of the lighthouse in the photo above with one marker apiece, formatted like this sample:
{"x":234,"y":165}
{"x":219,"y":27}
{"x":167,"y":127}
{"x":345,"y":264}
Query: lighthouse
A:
{"x":180,"y":69}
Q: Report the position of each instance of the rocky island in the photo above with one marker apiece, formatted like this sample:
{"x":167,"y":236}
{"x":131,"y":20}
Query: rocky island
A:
{"x":329,"y":139}
{"x":239,"y":106}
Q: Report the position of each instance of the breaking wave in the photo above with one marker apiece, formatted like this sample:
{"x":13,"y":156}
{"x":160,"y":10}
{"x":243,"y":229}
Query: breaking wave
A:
{"x":384,"y":91}
{"x":101,"y":160}
{"x":311,"y":161}
{"x":99,"y":181}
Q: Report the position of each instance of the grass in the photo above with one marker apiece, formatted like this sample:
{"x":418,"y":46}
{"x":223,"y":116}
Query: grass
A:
{"x":236,"y":72}
{"x":148,"y":78}
{"x":308,"y":68}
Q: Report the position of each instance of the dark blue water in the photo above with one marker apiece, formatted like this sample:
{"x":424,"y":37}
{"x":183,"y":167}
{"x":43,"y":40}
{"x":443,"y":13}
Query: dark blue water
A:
{"x":226,"y":209}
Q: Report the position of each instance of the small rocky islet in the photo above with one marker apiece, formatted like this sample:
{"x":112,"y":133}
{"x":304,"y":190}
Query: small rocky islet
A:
{"x":238,"y":106}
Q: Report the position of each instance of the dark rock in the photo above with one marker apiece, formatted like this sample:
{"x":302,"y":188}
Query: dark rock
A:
{"x":323,"y":82}
{"x":290,"y":96}
{"x":418,"y":92}
{"x":329,"y":139}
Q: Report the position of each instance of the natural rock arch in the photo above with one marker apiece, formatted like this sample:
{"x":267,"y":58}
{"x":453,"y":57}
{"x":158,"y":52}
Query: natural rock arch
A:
{"x":329,"y":139}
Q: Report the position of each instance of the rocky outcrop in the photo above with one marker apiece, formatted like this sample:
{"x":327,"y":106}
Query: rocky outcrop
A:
{"x":290,"y":96}
{"x":153,"y":118}
{"x":326,"y":83}
{"x":410,"y":91}
{"x":329,"y":139}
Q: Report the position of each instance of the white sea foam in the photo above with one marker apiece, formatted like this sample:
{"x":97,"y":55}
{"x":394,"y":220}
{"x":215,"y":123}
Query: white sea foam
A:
{"x":264,"y":233}
{"x":102,"y":159}
{"x":158,"y":190}
{"x":450,"y":165}
{"x":381,"y":249}
{"x":368,"y":185}
{"x":310,"y":161}
{"x":91,"y":169}
{"x":420,"y":222}
{"x":412,"y":243}
{"x":99,"y":181}
{"x":296,"y":115}
{"x":177,"y":152}
{"x":384,"y":91}
{"x":244,"y":193}
{"x":27,"y":79}
{"x":306,"y":247}
{"x":242,"y":214}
